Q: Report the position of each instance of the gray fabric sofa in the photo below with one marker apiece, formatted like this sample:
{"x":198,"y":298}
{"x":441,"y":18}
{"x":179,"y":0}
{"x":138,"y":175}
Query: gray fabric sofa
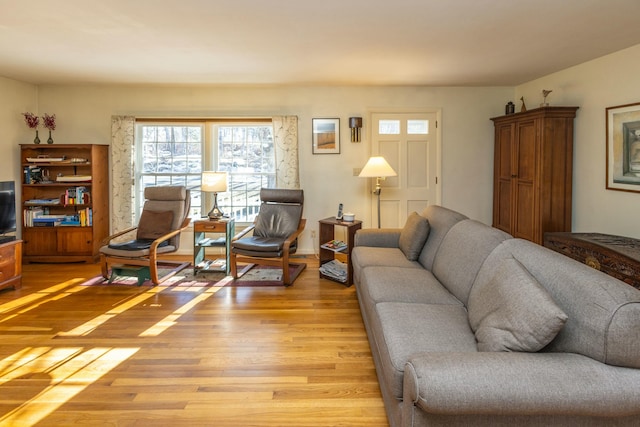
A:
{"x":478,"y":328}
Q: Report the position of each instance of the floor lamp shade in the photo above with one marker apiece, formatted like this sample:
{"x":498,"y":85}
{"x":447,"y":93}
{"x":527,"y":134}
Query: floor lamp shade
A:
{"x":378,"y":168}
{"x":214,"y":182}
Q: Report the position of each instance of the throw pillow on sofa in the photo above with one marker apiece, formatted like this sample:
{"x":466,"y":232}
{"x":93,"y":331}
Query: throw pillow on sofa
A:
{"x":513,"y":312}
{"x":413,"y":236}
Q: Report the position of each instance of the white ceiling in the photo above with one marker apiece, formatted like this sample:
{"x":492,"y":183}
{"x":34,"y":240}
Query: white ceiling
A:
{"x":399,"y":42}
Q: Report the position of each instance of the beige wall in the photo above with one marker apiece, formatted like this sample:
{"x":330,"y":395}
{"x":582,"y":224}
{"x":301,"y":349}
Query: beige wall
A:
{"x":84,"y":112}
{"x":17,"y":98}
{"x":593,"y":86}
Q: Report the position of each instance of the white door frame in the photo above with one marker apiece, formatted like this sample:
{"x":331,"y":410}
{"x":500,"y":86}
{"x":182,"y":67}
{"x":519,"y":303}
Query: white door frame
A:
{"x":438,"y":139}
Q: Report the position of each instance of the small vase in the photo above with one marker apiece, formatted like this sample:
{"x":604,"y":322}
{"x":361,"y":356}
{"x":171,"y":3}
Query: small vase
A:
{"x":36,"y":140}
{"x":50,"y":140}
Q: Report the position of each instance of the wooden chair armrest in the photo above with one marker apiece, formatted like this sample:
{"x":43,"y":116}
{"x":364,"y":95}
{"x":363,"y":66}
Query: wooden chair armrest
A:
{"x":156,"y":243}
{"x":296,"y":234}
{"x":243,"y":232}
{"x":107,"y":239}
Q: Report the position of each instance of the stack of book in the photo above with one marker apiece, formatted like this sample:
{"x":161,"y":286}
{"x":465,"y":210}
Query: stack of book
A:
{"x":76,"y":196}
{"x":335,"y":245}
{"x":47,"y":220}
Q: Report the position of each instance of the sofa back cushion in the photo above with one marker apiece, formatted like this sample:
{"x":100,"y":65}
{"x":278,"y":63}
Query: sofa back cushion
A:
{"x":603,"y":313}
{"x":440,"y":222}
{"x":462,"y":253}
{"x":513,"y":312}
{"x":413,"y":235}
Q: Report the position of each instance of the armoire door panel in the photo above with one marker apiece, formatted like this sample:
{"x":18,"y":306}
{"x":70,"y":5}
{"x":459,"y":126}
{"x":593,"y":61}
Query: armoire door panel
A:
{"x":526,"y":151}
{"x":524,"y":211}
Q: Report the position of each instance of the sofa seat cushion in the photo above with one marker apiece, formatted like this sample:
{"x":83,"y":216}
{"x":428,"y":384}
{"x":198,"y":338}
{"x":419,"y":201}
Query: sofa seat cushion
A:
{"x":514,"y":384}
{"x":413,"y":235}
{"x":513,"y":312}
{"x":402,"y":330}
{"x":367,"y":256}
{"x":397,"y":284}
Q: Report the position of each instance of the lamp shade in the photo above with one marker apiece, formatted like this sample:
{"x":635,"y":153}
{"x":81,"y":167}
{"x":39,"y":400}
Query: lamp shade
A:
{"x":376,"y":167}
{"x":214,"y":182}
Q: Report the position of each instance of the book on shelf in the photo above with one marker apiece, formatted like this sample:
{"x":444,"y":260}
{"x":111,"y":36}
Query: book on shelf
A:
{"x":73,"y":178}
{"x":45,"y":159}
{"x":47,"y":224}
{"x":76,"y":196}
{"x":30,"y":214}
{"x":32,"y":174}
{"x":38,"y":202}
{"x":335,"y":245}
{"x":47,"y":220}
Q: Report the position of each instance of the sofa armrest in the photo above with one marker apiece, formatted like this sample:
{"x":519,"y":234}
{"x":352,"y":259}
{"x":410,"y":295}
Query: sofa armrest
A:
{"x":378,"y":237}
{"x":519,"y":383}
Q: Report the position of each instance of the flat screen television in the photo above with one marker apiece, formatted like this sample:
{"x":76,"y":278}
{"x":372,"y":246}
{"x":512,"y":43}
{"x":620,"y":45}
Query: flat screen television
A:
{"x":7,"y":210}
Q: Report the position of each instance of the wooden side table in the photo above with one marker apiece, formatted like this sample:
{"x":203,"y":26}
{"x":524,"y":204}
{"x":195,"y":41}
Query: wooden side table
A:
{"x":327,"y":233}
{"x":226,"y":228}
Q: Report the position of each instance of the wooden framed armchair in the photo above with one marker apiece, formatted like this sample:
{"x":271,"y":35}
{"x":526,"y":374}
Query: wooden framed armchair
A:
{"x":274,"y":235}
{"x":164,"y":216}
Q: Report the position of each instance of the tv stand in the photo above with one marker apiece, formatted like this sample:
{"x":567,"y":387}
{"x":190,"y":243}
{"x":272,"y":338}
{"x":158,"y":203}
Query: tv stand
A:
{"x":6,"y":239}
{"x":11,"y":264}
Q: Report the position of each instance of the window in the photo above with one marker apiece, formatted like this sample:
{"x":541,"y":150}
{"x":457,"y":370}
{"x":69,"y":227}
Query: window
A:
{"x":169,"y":153}
{"x":246,"y":153}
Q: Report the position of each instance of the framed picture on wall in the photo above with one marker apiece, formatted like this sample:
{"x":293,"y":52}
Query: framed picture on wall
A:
{"x":623,"y":147}
{"x":326,"y":136}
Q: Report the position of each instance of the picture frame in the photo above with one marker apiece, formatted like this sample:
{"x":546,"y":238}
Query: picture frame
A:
{"x":623,"y":147}
{"x":326,"y":136}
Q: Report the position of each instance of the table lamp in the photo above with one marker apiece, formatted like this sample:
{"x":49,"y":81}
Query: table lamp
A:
{"x":378,"y":168}
{"x":214,"y":182}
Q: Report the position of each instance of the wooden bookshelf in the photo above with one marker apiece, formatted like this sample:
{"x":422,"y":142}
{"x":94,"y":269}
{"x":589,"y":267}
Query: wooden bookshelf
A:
{"x":70,"y":182}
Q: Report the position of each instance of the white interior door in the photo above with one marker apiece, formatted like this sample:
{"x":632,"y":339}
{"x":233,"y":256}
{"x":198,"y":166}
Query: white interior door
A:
{"x":410,"y":144}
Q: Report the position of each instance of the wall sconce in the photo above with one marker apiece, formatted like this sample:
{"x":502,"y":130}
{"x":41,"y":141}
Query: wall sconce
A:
{"x":214,"y":182}
{"x":355,"y":123}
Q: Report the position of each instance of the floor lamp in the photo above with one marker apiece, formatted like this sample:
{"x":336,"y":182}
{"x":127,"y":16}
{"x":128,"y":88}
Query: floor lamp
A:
{"x":214,"y":182}
{"x":378,"y":168}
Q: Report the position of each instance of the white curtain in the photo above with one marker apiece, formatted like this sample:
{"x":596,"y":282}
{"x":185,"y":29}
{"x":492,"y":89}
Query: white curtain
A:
{"x":285,"y":141}
{"x":122,"y":171}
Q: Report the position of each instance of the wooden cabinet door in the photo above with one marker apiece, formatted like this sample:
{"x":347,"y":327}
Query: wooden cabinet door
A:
{"x":503,"y":177}
{"x":524,"y":181}
{"x":39,"y":240}
{"x":74,"y":240}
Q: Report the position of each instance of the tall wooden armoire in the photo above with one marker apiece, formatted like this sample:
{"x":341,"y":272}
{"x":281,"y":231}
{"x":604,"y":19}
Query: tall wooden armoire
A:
{"x":533,"y":167}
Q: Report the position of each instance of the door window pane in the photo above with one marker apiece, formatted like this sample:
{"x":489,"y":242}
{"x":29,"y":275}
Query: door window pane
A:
{"x":417,"y":127}
{"x":389,"y":127}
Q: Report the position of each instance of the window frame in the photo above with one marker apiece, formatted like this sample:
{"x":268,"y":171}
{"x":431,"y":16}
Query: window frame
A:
{"x":209,"y":160}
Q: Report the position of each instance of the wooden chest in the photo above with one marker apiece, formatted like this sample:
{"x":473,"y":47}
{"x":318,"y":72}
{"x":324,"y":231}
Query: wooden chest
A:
{"x":616,"y":256}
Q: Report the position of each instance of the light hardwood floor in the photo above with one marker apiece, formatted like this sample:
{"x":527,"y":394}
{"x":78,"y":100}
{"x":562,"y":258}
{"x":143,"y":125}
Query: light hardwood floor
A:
{"x":178,"y":356}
